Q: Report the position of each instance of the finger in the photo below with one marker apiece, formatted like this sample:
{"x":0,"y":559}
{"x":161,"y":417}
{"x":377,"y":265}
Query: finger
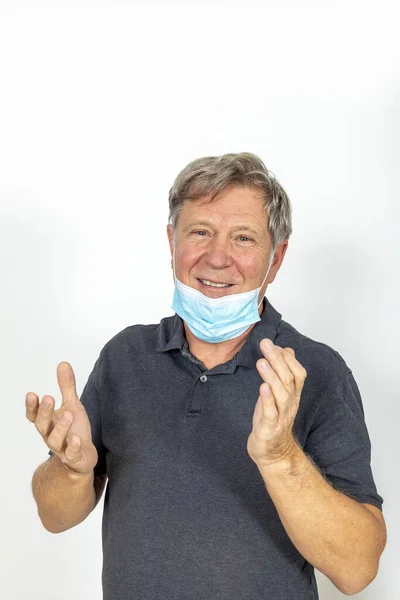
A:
{"x":73,"y":450}
{"x":297,"y":369}
{"x":31,"y":406}
{"x":274,"y":356}
{"x":290,"y":350}
{"x":269,"y":408}
{"x":44,"y":415}
{"x":280,"y":393}
{"x":56,"y":440}
{"x":66,"y":383}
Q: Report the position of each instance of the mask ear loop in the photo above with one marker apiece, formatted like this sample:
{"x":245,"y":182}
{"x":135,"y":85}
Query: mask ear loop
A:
{"x":269,"y":268}
{"x":173,"y":262}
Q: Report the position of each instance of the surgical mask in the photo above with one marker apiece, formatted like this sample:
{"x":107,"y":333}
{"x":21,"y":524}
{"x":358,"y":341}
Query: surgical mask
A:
{"x":216,"y":320}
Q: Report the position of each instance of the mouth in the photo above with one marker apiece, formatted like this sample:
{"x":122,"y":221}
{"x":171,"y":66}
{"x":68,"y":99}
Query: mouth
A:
{"x":215,"y":284}
{"x":214,"y":287}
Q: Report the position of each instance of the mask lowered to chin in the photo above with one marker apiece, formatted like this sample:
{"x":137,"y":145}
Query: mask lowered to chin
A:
{"x":216,"y":320}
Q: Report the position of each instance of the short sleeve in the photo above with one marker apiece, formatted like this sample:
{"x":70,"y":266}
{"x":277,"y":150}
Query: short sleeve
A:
{"x":339,"y":443}
{"x":91,"y":400}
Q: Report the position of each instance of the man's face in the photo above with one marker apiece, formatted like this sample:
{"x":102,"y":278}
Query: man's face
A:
{"x":225,"y":241}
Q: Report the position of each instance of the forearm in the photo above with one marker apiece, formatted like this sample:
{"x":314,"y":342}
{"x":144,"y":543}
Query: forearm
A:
{"x":63,"y":498}
{"x":333,"y":532}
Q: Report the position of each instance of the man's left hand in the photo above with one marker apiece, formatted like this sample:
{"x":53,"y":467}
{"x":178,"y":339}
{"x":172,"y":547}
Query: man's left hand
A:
{"x":271,"y":439}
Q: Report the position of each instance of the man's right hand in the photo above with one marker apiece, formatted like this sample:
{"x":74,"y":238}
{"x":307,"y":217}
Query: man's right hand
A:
{"x":69,"y":440}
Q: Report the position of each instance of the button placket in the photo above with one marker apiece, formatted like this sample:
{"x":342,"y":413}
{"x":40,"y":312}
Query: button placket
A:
{"x":198,"y":396}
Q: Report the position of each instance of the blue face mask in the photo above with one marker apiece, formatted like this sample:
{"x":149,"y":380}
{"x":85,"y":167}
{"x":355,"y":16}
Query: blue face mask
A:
{"x":216,"y":320}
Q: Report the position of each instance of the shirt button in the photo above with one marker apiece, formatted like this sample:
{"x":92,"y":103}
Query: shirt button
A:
{"x":203,"y":378}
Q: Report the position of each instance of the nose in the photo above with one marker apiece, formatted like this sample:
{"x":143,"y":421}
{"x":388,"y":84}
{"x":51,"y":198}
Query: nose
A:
{"x":218,"y":254}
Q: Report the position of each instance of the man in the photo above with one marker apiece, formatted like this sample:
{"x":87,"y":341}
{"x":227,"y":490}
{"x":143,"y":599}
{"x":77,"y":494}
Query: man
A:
{"x":213,"y":493}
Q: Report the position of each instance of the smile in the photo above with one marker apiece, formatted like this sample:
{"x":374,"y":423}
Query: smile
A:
{"x":212,"y":284}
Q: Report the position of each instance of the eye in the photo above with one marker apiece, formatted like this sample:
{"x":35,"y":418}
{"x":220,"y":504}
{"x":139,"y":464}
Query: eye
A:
{"x":201,"y":231}
{"x":245,"y":236}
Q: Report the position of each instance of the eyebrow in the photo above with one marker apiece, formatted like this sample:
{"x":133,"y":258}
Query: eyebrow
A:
{"x":253,"y":230}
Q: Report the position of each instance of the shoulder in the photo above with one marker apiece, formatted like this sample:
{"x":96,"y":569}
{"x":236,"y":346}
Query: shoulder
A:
{"x":317,"y":354}
{"x":325,"y":366}
{"x":132,"y":337}
{"x":140,"y":339}
{"x":330,"y":393}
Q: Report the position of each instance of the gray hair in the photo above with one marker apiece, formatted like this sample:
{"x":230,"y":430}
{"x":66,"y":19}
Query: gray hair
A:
{"x":213,"y":174}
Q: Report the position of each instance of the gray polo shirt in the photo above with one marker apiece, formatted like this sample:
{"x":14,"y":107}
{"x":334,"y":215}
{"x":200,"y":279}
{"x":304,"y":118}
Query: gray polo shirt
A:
{"x":186,"y":511}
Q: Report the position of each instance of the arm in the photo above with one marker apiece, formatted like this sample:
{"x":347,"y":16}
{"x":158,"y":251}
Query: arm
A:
{"x":63,"y":498}
{"x":65,"y":487}
{"x":339,"y":536}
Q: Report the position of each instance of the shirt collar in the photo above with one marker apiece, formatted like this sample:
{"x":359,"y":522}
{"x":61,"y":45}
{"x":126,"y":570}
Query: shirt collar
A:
{"x":171,"y":335}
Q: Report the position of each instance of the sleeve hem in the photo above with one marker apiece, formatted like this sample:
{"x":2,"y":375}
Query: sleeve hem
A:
{"x":363,"y":499}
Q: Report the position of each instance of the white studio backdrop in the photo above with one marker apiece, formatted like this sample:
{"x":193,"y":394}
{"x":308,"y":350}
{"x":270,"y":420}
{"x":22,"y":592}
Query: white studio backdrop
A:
{"x":101,"y":105}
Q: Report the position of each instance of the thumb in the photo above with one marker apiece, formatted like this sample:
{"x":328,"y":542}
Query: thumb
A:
{"x":66,"y":383}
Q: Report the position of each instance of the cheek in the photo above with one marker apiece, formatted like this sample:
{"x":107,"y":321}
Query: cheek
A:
{"x":188,"y":258}
{"x":249,"y":266}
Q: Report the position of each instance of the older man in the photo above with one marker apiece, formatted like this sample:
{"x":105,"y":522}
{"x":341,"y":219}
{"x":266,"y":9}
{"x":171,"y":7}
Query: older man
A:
{"x":235,"y":447}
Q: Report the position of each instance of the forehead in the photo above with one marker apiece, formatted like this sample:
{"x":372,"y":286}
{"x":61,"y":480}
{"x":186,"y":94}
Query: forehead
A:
{"x":235,"y":203}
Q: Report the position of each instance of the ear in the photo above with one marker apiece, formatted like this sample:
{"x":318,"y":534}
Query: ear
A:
{"x":278,"y":259}
{"x":170,"y":234}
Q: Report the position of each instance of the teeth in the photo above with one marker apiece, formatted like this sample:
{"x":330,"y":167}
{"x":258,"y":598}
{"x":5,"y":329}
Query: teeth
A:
{"x":206,"y":282}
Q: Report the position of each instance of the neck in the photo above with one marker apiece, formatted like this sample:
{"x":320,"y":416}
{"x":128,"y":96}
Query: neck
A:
{"x":216,"y":354}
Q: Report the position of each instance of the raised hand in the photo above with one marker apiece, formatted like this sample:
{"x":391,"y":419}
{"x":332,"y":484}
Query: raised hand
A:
{"x":271,"y":439}
{"x":66,"y":431}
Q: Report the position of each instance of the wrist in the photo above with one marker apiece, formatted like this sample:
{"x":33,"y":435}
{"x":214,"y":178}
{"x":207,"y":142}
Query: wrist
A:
{"x":288,"y":463}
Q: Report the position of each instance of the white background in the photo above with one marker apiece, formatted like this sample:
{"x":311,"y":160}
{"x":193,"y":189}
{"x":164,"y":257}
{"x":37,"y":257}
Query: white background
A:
{"x":101,"y":105}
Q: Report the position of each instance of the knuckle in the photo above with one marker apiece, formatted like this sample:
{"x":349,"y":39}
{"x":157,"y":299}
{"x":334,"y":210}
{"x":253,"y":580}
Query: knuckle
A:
{"x":43,"y":411}
{"x":56,"y":440}
{"x":41,"y":427}
{"x":63,"y":459}
{"x":286,"y":397}
{"x":54,"y":444}
{"x":66,"y":419}
{"x":74,"y":457}
{"x":287,"y":381}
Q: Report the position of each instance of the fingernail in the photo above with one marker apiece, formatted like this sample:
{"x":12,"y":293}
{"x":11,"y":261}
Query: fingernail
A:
{"x":46,"y":402}
{"x":268,"y":344}
{"x":65,"y":418}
